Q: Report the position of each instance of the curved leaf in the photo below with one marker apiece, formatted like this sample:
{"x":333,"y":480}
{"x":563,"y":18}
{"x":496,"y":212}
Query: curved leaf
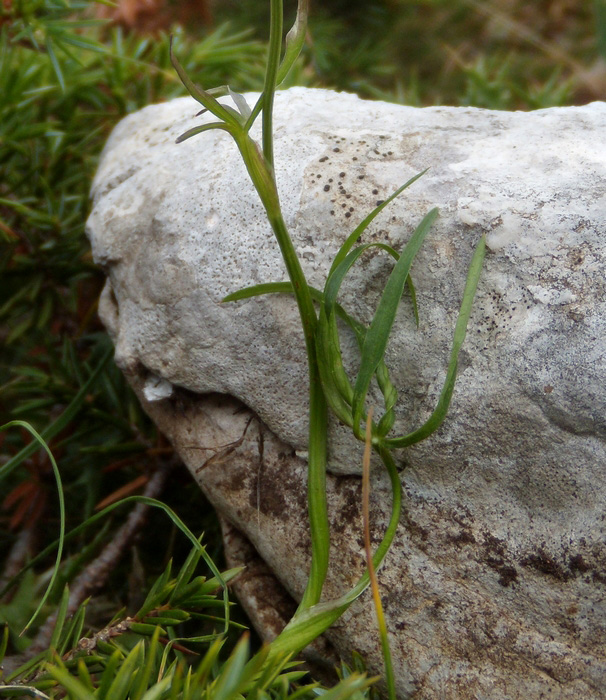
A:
{"x":377,"y":336}
{"x":441,"y":409}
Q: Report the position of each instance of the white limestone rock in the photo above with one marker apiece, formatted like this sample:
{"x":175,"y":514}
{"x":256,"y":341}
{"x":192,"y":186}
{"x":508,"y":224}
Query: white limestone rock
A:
{"x":499,"y":576}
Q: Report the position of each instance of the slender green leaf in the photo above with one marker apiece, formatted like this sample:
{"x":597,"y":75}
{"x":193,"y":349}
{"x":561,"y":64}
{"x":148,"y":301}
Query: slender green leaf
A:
{"x":84,"y":675}
{"x":61,"y":422}
{"x":377,"y":336}
{"x":123,"y":681}
{"x":19,"y":691}
{"x":337,"y":389}
{"x":56,"y":65}
{"x":199,"y":129}
{"x":202,"y":96}
{"x":335,"y":278}
{"x":441,"y":409}
{"x":156,"y":595}
{"x":158,"y":690}
{"x":73,"y":632}
{"x":349,"y":686}
{"x":72,"y":685}
{"x":109,"y":673}
{"x":363,"y":225}
{"x":39,"y":442}
{"x":185,"y":573}
{"x":3,"y":642}
{"x":230,"y":679}
{"x":143,"y":677}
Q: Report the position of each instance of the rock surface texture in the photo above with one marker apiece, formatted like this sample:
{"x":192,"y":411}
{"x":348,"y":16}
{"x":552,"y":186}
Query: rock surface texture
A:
{"x":496,"y":586}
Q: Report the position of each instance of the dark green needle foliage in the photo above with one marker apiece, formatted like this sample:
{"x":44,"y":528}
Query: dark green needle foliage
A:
{"x":65,"y":81}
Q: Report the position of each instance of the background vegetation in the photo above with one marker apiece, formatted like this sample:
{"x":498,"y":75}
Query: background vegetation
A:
{"x":66,"y":78}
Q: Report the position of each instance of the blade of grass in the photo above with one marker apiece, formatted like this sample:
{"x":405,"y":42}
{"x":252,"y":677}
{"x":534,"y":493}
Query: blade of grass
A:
{"x":40,"y":442}
{"x":441,"y":409}
{"x":276,"y":22}
{"x":199,"y":129}
{"x":61,"y":422}
{"x":336,"y":277}
{"x":377,"y":336}
{"x":72,"y":685}
{"x":202,"y":96}
{"x":363,"y":225}
{"x":60,"y":621}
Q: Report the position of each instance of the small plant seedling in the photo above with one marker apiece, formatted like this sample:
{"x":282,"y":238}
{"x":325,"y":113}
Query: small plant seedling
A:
{"x":329,"y":384}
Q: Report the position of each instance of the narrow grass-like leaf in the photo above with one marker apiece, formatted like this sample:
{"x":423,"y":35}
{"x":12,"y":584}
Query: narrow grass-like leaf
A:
{"x":158,"y":690}
{"x":267,"y":671}
{"x":19,"y":691}
{"x":349,"y":687}
{"x":202,"y":674}
{"x":168,"y":619}
{"x":73,"y":633}
{"x":176,"y":681}
{"x":84,"y":675}
{"x":55,"y":63}
{"x":363,"y":225}
{"x":39,"y":442}
{"x":72,"y":685}
{"x":207,"y":586}
{"x":156,"y":595}
{"x":185,"y":574}
{"x":61,"y":422}
{"x":231,"y":677}
{"x":335,"y":278}
{"x":202,"y":96}
{"x":441,"y":409}
{"x":258,"y":290}
{"x":3,"y":642}
{"x":199,"y":129}
{"x":145,"y":629}
{"x":109,"y":673}
{"x":144,"y":676}
{"x":377,"y":336}
{"x":337,"y":389}
{"x":122,"y":683}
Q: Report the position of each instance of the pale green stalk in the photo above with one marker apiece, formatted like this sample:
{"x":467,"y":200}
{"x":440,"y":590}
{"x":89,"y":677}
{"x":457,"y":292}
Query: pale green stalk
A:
{"x":262,"y":176}
{"x":271,"y":74}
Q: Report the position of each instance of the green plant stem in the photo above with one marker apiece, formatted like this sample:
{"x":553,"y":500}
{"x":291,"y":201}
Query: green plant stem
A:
{"x":271,"y":74}
{"x":308,"y":624}
{"x":318,"y":423}
{"x":261,"y":174}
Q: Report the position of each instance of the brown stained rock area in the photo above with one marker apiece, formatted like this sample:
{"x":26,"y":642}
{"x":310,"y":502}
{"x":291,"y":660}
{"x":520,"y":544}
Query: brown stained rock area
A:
{"x":444,"y":628}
